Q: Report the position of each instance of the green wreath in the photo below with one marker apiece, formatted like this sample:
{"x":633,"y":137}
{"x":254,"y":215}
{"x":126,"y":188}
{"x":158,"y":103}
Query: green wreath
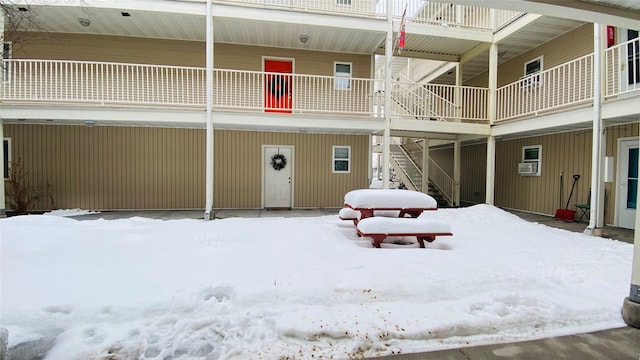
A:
{"x":278,"y":162}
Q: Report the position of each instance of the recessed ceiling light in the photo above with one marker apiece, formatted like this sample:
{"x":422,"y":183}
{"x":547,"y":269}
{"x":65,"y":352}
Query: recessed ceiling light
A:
{"x":124,"y":13}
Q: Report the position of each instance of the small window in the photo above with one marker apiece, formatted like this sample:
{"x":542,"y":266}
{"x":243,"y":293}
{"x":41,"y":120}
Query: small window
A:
{"x":341,"y":159}
{"x":6,"y":147}
{"x":6,"y":55}
{"x":533,"y":155}
{"x":343,"y":2}
{"x":342,"y":72}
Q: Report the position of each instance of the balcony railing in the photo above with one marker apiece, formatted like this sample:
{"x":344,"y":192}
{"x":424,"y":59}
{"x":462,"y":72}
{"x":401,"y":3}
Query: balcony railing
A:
{"x":418,"y":11}
{"x":439,"y":102}
{"x":571,"y":84}
{"x":561,"y":86}
{"x":169,"y":86}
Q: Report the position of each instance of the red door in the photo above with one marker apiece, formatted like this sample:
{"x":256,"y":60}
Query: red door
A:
{"x":277,"y":86}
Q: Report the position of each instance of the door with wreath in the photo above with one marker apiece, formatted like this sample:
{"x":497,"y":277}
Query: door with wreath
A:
{"x":278,"y":172}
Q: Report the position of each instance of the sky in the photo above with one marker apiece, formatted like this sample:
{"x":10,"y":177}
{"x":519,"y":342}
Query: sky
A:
{"x":298,"y":288}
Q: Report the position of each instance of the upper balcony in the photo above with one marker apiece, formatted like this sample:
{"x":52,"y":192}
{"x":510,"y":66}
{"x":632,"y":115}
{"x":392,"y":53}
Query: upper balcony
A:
{"x":106,"y":85}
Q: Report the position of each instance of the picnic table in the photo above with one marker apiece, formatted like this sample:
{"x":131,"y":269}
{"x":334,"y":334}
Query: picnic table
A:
{"x":406,"y":202}
{"x":381,"y":213}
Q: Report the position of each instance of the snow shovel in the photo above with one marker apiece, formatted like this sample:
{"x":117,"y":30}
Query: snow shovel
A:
{"x":566,"y":214}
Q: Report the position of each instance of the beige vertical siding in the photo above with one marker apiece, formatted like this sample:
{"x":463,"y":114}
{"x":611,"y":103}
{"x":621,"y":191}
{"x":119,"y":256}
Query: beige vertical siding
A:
{"x":566,"y":153}
{"x":113,"y":167}
{"x":564,"y":48}
{"x":238,"y":178}
{"x":56,"y":46}
{"x":473,"y":170}
{"x":569,"y":153}
{"x":105,"y":168}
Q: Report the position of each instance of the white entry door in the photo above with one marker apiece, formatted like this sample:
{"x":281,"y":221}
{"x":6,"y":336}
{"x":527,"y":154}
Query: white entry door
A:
{"x":627,"y":177}
{"x":278,"y":182}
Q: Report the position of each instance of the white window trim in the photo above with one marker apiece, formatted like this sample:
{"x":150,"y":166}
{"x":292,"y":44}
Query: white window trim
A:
{"x":539,"y":58}
{"x":334,"y":159}
{"x":538,"y":161}
{"x":335,"y":75}
{"x":8,"y":140}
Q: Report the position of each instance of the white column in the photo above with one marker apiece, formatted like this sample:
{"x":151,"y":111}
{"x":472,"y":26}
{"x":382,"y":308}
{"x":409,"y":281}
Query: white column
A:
{"x":388,"y":53}
{"x":456,"y":173}
{"x":425,"y":166}
{"x":596,"y":149}
{"x":3,"y":207}
{"x":493,"y":82}
{"x":491,"y":170}
{"x":491,"y":112}
{"x":208,"y":211}
{"x":458,"y":92}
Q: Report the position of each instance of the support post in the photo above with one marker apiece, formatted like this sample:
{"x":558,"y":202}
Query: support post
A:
{"x":596,"y":147}
{"x":491,"y":170}
{"x":456,"y":173}
{"x":425,"y":166}
{"x":458,"y":93}
{"x":491,"y":114}
{"x":208,"y":211}
{"x":388,"y":53}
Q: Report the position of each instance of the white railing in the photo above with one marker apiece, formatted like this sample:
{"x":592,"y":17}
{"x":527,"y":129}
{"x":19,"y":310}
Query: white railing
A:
{"x":442,"y":181}
{"x":418,"y":11}
{"x":154,"y":85}
{"x":565,"y":85}
{"x":92,"y":82}
{"x":622,"y":63}
{"x":440,"y":102}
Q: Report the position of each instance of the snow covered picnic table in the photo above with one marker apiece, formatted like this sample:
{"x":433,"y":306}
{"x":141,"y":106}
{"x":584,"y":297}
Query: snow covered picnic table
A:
{"x":406,"y":202}
{"x":381,"y":213}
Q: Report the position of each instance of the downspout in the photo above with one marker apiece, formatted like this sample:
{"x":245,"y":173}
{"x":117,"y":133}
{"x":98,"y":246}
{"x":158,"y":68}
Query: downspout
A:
{"x":597,"y":132}
{"x":388,"y":54}
{"x":208,"y":211}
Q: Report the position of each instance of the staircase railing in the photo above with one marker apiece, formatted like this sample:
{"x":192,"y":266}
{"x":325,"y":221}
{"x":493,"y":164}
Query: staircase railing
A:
{"x":442,"y":181}
{"x":410,"y":169}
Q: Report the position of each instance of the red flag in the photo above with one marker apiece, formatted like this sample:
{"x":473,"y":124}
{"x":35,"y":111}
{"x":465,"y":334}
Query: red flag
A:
{"x":401,"y":34}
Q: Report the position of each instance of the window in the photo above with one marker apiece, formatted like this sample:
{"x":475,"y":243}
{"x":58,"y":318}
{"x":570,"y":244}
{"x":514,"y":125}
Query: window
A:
{"x":341,"y":159}
{"x":6,"y":55}
{"x":6,"y":147}
{"x":342,"y":72}
{"x":533,"y":155}
{"x":343,"y":2}
{"x":531,"y":68}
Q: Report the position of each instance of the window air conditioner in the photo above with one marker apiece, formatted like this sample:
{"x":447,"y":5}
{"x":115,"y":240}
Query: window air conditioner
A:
{"x":527,"y":168}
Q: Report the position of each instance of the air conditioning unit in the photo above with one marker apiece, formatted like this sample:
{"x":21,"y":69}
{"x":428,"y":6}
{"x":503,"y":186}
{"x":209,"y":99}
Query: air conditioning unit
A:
{"x":527,"y":169}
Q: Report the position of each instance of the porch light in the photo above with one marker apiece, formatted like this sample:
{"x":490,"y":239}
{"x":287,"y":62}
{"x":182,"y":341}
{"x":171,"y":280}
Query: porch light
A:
{"x":304,"y":38}
{"x":84,"y":22}
{"x":89,"y":123}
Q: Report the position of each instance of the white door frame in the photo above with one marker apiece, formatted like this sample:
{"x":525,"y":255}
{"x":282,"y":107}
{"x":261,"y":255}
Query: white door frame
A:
{"x":621,"y":176}
{"x":290,"y":163}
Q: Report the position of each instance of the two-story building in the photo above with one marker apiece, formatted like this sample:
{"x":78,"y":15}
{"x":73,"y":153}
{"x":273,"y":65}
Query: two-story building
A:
{"x":277,"y":104}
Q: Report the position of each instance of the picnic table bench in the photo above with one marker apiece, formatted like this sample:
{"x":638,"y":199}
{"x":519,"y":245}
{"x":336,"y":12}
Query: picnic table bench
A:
{"x":379,"y":228}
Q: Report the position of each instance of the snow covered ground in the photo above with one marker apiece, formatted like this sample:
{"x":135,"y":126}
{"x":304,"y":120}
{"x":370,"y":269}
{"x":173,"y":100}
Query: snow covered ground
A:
{"x":298,"y":288}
